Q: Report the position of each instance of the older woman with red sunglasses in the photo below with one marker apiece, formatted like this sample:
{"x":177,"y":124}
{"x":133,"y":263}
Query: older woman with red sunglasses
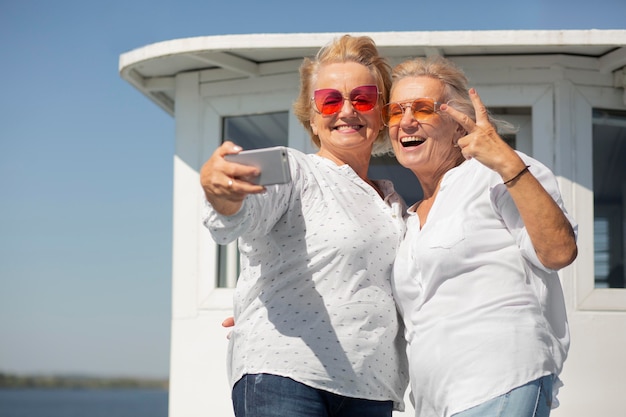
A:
{"x":317,"y":332}
{"x":476,"y":275}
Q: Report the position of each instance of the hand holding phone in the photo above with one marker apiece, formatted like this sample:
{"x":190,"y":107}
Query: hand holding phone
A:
{"x":272,"y":162}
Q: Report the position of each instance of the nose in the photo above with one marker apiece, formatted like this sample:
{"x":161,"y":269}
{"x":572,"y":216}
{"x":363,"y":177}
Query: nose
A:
{"x":408,"y":119}
{"x":347,"y":107}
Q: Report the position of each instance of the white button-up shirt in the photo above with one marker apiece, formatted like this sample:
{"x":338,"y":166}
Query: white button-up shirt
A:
{"x":483,"y":315}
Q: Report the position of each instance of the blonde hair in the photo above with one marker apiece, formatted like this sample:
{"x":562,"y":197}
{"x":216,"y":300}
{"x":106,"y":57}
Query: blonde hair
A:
{"x":455,"y":83}
{"x":359,"y":49}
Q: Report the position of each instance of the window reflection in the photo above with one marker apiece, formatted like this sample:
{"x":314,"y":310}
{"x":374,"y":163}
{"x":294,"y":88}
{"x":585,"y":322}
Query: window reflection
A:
{"x":255,"y":131}
{"x":609,"y":187}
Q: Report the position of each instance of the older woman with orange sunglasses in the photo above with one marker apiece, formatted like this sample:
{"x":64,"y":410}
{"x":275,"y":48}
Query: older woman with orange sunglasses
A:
{"x":476,"y":275}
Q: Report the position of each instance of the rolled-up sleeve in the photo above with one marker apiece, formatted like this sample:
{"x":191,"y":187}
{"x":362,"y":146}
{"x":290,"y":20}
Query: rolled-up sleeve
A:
{"x":507,"y":209}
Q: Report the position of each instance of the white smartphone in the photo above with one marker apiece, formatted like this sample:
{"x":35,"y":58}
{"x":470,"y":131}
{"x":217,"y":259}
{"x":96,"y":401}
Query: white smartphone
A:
{"x":273,"y":163}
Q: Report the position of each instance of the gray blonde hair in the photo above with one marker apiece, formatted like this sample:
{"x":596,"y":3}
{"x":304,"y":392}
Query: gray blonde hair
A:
{"x":455,"y":83}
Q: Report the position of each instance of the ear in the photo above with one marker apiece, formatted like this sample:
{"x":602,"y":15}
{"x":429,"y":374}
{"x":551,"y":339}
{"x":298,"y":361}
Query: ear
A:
{"x":459,"y":131}
{"x":313,"y":126}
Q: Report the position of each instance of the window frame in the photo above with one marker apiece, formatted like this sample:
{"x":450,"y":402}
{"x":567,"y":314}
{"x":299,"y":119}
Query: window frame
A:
{"x":584,"y":100}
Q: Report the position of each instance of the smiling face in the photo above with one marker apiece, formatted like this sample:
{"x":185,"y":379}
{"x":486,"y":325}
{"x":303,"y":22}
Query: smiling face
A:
{"x":347,"y":132}
{"x":425,"y":145}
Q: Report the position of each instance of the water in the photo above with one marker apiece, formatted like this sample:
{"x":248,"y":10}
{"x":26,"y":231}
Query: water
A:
{"x":83,"y":403}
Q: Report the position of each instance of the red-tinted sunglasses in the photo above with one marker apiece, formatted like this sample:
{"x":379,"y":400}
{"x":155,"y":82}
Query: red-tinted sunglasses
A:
{"x":329,"y":101}
{"x":421,"y":108}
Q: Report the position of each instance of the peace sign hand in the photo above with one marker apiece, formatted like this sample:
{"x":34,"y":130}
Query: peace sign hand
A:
{"x":482,"y":141}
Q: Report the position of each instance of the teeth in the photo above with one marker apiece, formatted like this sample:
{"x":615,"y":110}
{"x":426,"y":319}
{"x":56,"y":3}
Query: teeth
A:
{"x":353,"y":127}
{"x":412,"y":141}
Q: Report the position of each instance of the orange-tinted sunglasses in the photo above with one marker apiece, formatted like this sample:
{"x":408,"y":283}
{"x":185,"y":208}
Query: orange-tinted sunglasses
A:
{"x":421,"y":108}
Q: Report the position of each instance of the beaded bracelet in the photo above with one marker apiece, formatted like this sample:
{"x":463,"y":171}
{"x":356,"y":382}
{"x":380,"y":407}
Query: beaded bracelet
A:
{"x":519,"y":174}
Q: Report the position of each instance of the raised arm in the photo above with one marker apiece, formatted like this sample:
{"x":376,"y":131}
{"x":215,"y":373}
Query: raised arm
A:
{"x":549,"y":229}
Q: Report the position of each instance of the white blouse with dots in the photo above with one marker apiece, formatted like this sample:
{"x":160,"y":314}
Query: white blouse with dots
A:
{"x":313,"y":301}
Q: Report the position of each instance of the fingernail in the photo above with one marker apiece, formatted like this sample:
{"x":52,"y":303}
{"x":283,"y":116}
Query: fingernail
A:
{"x":443,"y":107}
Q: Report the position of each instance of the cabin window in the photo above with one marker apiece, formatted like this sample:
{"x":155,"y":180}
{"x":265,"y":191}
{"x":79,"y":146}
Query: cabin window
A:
{"x":609,"y":187}
{"x":250,"y":132}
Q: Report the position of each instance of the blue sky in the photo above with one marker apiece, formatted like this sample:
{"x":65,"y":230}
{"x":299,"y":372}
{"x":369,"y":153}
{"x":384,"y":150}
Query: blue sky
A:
{"x":86,"y":160}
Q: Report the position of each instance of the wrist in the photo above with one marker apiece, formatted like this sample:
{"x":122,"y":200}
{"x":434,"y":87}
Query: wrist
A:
{"x":513,"y":179}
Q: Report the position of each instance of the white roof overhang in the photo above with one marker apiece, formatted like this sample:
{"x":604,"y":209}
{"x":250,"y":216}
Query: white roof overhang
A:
{"x":152,"y":68}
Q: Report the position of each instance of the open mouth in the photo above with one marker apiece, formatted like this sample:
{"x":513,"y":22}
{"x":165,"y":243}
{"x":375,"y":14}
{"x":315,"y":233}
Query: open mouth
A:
{"x":348,"y":127}
{"x":411,"y":141}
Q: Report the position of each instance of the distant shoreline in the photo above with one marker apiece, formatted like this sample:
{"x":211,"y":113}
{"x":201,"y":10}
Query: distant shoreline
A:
{"x":79,"y":382}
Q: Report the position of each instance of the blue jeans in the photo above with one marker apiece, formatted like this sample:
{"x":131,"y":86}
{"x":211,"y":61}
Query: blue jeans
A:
{"x":265,"y":395}
{"x":533,"y":399}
